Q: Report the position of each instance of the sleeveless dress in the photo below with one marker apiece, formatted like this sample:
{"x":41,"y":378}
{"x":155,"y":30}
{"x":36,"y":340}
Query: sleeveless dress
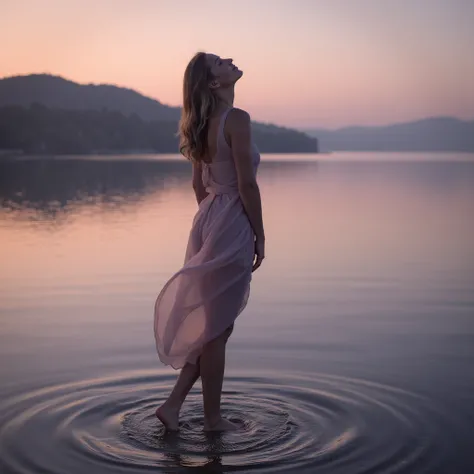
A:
{"x":205,"y":297}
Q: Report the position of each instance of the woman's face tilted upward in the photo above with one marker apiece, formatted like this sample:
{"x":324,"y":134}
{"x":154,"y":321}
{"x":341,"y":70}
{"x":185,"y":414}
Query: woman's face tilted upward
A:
{"x":224,"y":72}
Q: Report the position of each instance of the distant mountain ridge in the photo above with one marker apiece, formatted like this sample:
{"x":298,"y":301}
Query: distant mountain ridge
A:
{"x":430,"y":134}
{"x":441,"y":134}
{"x":59,"y":94}
{"x":46,"y":114}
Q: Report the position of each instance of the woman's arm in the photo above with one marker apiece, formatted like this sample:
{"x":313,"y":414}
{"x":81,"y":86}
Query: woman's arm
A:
{"x":240,"y":136}
{"x":198,"y":186}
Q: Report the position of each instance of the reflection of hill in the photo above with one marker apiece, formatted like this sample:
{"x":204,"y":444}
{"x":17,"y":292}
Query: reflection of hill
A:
{"x":51,"y":189}
{"x":48,"y":186}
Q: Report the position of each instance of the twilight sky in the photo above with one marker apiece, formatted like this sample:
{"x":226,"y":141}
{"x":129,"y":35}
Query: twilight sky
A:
{"x":321,"y":63}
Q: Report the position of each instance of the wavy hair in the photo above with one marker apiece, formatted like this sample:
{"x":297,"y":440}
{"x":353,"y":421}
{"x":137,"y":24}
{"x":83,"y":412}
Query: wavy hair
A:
{"x":199,"y":102}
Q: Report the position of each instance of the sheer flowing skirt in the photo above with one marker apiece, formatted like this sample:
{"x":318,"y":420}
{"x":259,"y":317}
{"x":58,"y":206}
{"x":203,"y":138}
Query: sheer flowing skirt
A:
{"x":205,"y":297}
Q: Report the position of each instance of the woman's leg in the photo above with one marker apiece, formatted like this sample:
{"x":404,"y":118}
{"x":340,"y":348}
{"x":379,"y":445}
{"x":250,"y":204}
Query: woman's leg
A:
{"x":168,"y":413}
{"x":212,"y":363}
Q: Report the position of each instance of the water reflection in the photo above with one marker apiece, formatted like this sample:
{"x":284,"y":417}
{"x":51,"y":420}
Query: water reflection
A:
{"x":175,"y":458}
{"x":47,"y":189}
{"x":361,"y":317}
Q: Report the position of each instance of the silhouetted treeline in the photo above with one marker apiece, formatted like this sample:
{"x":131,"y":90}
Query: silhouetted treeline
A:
{"x":42,"y":130}
{"x":39,"y":130}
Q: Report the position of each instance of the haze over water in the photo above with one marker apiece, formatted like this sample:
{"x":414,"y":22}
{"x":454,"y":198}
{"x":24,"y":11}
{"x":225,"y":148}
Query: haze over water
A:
{"x":354,"y":354}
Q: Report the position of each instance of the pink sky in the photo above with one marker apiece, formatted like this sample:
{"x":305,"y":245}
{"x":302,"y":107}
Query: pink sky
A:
{"x":321,"y":63}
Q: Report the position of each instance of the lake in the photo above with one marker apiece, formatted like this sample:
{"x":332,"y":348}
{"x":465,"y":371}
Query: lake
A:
{"x":354,"y":355}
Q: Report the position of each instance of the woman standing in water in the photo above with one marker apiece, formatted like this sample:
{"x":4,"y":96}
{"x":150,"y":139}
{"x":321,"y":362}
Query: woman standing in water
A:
{"x":196,"y":309}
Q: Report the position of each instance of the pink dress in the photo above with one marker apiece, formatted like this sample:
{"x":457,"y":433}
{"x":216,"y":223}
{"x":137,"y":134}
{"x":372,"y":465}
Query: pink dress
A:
{"x":205,"y":297}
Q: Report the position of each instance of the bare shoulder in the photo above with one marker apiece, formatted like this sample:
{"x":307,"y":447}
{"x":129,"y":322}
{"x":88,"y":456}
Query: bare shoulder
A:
{"x":237,"y":129}
{"x":238,"y":118}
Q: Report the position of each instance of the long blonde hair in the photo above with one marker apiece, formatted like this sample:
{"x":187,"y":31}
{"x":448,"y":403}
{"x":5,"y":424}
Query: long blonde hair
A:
{"x":199,"y":102}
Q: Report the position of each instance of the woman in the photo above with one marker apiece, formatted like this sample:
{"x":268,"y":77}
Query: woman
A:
{"x":196,"y":310}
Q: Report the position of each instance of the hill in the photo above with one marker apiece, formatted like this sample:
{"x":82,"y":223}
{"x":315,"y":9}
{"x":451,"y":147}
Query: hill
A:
{"x":56,"y":92}
{"x":443,"y":134}
{"x":41,"y":113}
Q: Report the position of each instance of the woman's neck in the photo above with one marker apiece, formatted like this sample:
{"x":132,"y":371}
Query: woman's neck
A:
{"x":226,"y":96}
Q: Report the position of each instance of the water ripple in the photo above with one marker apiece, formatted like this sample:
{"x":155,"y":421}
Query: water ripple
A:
{"x":287,"y":424}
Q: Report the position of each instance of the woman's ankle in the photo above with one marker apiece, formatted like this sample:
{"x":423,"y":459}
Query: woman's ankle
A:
{"x":173,"y":405}
{"x":212,"y":420}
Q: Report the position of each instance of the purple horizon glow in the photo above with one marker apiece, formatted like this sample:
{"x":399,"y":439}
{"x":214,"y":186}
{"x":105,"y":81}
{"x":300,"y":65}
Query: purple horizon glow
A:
{"x":326,"y":63}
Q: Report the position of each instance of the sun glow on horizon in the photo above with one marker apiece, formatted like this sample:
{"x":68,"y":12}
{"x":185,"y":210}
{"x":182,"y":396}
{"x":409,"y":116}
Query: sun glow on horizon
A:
{"x":306,"y":64}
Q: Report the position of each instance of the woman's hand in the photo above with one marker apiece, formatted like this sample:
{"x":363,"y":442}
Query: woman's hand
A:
{"x":259,"y":253}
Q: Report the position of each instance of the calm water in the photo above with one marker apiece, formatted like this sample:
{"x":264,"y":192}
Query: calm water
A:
{"x":355,"y":354}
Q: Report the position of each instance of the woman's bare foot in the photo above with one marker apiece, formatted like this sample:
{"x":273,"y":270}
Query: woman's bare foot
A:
{"x":168,"y":416}
{"x":221,"y":425}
